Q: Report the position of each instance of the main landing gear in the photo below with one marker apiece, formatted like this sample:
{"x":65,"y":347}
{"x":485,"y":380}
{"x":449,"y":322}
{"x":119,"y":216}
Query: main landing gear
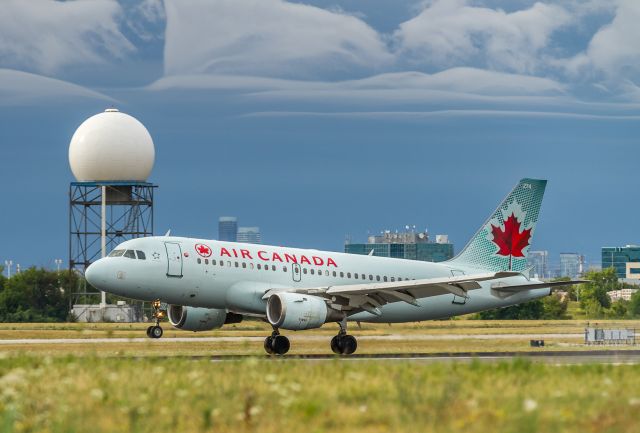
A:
{"x":276,"y":344}
{"x":343,"y":343}
{"x":155,"y":331}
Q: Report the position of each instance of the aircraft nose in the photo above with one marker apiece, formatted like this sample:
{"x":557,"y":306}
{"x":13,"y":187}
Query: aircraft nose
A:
{"x":95,"y":274}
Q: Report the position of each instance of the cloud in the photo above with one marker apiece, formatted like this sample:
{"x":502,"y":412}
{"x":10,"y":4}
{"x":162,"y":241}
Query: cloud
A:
{"x":451,"y":33}
{"x":45,"y":36}
{"x":455,"y":80}
{"x":613,"y":51}
{"x":268,"y":38}
{"x":22,"y":88}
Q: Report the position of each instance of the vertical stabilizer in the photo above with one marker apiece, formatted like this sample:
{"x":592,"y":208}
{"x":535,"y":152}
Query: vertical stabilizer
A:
{"x":502,"y":243}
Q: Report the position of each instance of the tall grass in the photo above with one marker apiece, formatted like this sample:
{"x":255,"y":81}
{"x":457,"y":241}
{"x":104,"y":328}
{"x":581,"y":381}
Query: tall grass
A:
{"x":176,"y":395}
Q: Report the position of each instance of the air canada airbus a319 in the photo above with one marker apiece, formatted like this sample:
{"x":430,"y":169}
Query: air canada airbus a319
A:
{"x":208,"y":283}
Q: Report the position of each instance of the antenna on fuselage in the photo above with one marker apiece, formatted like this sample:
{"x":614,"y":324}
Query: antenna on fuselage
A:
{"x":168,"y":233}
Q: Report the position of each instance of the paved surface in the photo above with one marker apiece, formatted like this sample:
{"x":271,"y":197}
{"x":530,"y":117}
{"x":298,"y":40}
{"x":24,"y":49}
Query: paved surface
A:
{"x":403,"y":337}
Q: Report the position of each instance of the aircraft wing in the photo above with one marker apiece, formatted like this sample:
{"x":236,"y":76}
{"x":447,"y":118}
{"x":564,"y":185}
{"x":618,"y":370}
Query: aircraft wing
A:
{"x":370,"y":296}
{"x":504,"y":291}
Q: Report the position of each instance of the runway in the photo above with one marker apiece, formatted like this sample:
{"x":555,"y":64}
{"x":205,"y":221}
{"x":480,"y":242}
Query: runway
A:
{"x":292,"y":337}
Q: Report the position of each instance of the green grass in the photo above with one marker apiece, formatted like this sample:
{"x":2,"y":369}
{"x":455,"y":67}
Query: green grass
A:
{"x":118,"y":395}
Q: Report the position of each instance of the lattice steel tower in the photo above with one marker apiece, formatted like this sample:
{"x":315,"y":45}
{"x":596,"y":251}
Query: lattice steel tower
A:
{"x":111,"y":156}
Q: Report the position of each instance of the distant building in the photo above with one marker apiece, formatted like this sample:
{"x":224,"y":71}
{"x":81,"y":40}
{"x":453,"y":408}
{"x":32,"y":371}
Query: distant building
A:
{"x":228,"y":229}
{"x":624,"y":294}
{"x":407,"y":245}
{"x":619,"y":257}
{"x":572,"y":265}
{"x":249,"y":235}
{"x":538,"y":261}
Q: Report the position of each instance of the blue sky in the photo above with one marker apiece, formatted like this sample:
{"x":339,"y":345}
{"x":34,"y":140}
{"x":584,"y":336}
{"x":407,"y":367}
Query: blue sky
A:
{"x":318,"y":119}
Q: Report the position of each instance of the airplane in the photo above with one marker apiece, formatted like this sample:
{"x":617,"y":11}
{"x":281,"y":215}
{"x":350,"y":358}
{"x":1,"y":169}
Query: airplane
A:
{"x":207,"y":283}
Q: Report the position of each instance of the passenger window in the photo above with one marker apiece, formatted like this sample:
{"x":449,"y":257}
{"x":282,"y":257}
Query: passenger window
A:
{"x":377,"y":277}
{"x":244,"y":265}
{"x":116,"y":253}
{"x":284,"y":269}
{"x":348,"y":274}
{"x":312,"y":271}
{"x":385,"y":279}
{"x":341,"y":274}
{"x":355,"y":276}
{"x":221,"y":262}
{"x":236,"y":264}
{"x":393,"y":279}
{"x":199,"y":260}
{"x":273,"y":267}
{"x":130,"y":254}
{"x":259,"y":266}
{"x":296,"y":270}
{"x":364,"y":277}
{"x":141,"y":255}
{"x":229,"y":263}
{"x":251,"y":265}
{"x":326,"y":273}
{"x":206,"y":261}
{"x":371,"y":277}
{"x":304,"y":271}
{"x":213,"y":261}
{"x":334,"y":273}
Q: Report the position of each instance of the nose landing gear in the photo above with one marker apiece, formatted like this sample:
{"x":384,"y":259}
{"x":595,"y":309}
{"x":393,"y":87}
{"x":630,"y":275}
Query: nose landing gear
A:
{"x":343,"y":343}
{"x":155,"y":331}
{"x":276,"y":344}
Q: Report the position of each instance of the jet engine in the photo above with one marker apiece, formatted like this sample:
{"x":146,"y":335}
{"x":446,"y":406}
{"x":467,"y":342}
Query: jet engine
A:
{"x":200,"y":319}
{"x":295,"y":311}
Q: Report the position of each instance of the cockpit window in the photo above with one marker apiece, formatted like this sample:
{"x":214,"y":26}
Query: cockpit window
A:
{"x":130,"y":254}
{"x":141,"y":255}
{"x":116,"y":253}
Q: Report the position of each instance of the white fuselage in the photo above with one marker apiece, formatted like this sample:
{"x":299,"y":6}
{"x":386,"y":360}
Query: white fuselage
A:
{"x":235,"y":277}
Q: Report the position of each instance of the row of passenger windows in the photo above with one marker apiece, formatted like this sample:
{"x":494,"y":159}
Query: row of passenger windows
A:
{"x":130,"y":254}
{"x":311,"y":271}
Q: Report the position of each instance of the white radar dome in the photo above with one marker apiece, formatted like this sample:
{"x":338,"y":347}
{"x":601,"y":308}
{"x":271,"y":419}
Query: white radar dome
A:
{"x":111,"y":146}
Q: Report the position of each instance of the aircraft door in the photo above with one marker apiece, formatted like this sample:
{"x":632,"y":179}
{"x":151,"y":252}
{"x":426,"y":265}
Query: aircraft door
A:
{"x":296,"y":272}
{"x":174,"y":259}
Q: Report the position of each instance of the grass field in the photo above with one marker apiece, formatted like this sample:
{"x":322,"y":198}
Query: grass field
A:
{"x":145,"y":386}
{"x":70,"y":394}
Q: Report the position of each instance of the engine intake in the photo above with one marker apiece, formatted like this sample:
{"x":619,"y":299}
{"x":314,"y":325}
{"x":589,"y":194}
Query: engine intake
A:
{"x":200,"y":319}
{"x":296,"y":312}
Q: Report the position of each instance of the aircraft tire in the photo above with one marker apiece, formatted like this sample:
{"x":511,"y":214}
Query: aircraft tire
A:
{"x":280,"y":345}
{"x":156,"y":332}
{"x":349,"y":344}
{"x":335,"y":345}
{"x":268,"y":345}
{"x":149,"y":331}
{"x":344,"y":344}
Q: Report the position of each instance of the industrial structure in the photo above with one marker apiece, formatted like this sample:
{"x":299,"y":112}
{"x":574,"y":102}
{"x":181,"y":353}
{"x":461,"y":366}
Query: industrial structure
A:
{"x":111,"y":156}
{"x":410,"y":245}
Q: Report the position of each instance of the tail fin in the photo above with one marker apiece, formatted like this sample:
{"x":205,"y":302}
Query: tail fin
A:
{"x":502,"y":243}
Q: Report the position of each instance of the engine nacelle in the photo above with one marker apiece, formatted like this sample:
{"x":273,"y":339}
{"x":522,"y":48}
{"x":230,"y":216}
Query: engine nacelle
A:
{"x":200,"y":319}
{"x":296,"y":311}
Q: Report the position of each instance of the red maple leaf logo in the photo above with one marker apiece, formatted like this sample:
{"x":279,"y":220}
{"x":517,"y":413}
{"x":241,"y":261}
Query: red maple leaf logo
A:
{"x":203,"y":250}
{"x":510,"y":241}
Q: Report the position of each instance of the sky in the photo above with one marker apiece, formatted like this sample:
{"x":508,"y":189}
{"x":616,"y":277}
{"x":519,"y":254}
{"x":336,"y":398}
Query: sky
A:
{"x":317,"y":120}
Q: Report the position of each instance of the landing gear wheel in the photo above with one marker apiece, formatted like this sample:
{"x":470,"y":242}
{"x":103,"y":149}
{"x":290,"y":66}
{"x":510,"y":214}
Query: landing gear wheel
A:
{"x":349,"y":344}
{"x":149,"y":331}
{"x":344,"y":344}
{"x":280,"y":344}
{"x":156,"y":332}
{"x":268,"y":345}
